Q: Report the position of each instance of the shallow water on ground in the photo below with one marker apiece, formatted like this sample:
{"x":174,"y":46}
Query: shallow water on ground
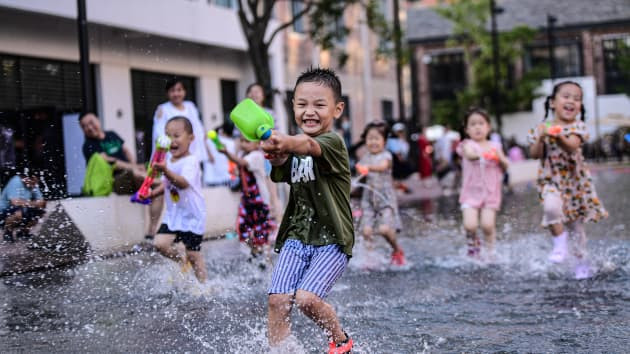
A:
{"x":440,"y":302}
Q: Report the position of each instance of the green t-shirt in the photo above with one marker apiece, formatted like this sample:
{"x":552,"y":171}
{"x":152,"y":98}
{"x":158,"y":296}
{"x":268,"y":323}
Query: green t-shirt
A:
{"x":318,"y":212}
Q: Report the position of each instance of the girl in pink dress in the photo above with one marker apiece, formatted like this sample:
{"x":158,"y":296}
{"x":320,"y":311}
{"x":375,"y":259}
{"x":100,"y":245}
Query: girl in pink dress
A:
{"x":564,"y":181}
{"x":483,"y":165}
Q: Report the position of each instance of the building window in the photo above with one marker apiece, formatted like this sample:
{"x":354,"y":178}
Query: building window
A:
{"x":35,"y":93}
{"x":27,"y":83}
{"x":296,"y":8}
{"x":567,"y":57}
{"x":387,"y":109}
{"x":617,"y":64}
{"x":148,"y":91}
{"x":447,"y":75}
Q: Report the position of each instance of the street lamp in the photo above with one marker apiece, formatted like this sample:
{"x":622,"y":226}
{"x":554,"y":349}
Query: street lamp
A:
{"x":494,"y":10}
{"x":84,"y":58}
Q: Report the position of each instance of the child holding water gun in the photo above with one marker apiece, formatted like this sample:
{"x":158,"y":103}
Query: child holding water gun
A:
{"x":483,"y":165}
{"x":184,"y":220}
{"x":564,"y":182}
{"x":254,"y":219}
{"x":378,"y":201}
{"x":316,"y":235}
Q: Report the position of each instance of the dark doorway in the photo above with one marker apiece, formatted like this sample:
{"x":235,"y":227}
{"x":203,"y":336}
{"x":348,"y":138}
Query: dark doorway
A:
{"x":149,"y":90}
{"x":229,"y":97}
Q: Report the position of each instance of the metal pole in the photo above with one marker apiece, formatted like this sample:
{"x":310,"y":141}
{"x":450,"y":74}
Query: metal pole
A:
{"x":398,"y":50}
{"x":84,"y":58}
{"x":495,"y":61}
{"x":551,"y":20}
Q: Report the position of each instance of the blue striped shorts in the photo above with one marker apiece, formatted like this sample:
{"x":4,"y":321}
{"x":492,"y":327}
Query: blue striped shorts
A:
{"x":306,"y":267}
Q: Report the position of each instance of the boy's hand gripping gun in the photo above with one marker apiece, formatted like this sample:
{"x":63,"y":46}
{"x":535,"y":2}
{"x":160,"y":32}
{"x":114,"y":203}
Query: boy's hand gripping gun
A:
{"x":252,"y":120}
{"x":162,"y":145}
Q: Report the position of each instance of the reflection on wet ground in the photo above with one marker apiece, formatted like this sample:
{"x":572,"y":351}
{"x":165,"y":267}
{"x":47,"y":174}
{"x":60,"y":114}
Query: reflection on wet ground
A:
{"x":441,"y":303}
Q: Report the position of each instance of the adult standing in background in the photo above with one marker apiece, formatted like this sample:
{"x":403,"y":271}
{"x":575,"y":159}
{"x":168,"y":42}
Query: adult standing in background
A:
{"x":178,"y":106}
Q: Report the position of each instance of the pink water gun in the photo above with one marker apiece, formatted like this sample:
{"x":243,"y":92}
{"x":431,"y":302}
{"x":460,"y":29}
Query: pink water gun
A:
{"x":162,"y":145}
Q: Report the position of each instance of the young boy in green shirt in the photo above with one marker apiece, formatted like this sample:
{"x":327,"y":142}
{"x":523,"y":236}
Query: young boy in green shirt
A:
{"x":316,"y":235}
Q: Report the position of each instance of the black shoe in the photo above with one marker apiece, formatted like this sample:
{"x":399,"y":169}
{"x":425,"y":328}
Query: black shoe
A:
{"x":24,"y":234}
{"x":8,"y":236}
{"x":148,"y":237}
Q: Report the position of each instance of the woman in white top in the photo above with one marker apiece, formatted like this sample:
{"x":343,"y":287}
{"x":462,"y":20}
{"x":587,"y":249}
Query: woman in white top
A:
{"x":177,"y":106}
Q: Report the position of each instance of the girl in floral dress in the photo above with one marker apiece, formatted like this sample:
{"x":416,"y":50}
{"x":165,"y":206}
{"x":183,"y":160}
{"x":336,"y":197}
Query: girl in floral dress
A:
{"x":564,"y":182}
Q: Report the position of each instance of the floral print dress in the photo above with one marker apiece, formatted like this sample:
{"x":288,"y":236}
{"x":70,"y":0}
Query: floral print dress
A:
{"x":567,"y":175}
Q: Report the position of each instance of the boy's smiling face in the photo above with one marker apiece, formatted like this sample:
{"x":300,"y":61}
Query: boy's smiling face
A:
{"x":180,"y":138}
{"x":315,"y":108}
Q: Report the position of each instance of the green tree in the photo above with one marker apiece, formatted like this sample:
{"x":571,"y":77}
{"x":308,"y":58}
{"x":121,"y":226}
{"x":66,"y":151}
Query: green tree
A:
{"x":470,"y":19}
{"x":324,"y":28}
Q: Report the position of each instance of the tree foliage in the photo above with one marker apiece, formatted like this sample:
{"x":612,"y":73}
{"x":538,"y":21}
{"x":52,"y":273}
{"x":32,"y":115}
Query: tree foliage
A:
{"x":256,"y":16}
{"x":470,"y":19}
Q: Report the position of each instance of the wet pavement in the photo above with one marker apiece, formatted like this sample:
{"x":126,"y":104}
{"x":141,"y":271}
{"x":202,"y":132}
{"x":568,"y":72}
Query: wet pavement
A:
{"x":441,"y":302}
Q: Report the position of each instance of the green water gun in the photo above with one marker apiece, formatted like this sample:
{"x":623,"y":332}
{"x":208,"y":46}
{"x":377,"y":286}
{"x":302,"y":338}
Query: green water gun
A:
{"x":252,"y":120}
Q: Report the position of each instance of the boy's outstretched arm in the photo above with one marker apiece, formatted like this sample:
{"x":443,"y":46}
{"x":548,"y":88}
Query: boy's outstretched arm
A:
{"x":282,"y":144}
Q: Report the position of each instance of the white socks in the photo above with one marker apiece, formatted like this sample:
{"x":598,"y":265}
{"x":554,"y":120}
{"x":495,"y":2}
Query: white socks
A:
{"x":559,"y":252}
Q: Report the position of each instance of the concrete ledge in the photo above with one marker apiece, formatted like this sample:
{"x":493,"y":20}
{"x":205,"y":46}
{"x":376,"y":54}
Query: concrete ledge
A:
{"x":113,"y":223}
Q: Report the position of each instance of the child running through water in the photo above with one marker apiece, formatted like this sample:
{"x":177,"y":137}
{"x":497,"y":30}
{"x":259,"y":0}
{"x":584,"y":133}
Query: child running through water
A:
{"x":316,"y":235}
{"x":564,"y":182}
{"x":254,"y":219}
{"x":483,"y":165}
{"x":378,"y":201}
{"x":184,"y":220}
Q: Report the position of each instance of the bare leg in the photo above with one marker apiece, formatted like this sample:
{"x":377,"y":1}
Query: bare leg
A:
{"x":489,"y":228}
{"x":155,"y":211}
{"x":198,"y":264}
{"x":471,"y":223}
{"x":278,"y":322}
{"x":164,"y":244}
{"x":367,"y":235}
{"x":390,"y":236}
{"x":321,"y":313}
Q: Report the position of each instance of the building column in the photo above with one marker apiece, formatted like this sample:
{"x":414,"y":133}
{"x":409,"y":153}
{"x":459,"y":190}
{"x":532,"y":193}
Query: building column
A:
{"x":599,"y":71}
{"x":277,"y":63}
{"x":209,"y":97}
{"x":116,"y":102}
{"x":587,"y":53}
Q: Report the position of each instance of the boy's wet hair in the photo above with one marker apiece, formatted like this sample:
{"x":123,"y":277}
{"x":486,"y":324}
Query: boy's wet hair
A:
{"x":380,"y":126}
{"x":556,"y":88}
{"x":170,"y":83}
{"x":326,"y":77}
{"x":187,"y":125}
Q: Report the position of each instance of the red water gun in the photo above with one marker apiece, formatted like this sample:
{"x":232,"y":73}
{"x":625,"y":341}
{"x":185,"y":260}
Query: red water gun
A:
{"x":491,"y":155}
{"x":553,"y":130}
{"x":162,"y":145}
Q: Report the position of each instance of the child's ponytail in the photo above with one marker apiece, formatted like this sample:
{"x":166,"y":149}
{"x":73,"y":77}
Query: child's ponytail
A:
{"x":547,"y":100}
